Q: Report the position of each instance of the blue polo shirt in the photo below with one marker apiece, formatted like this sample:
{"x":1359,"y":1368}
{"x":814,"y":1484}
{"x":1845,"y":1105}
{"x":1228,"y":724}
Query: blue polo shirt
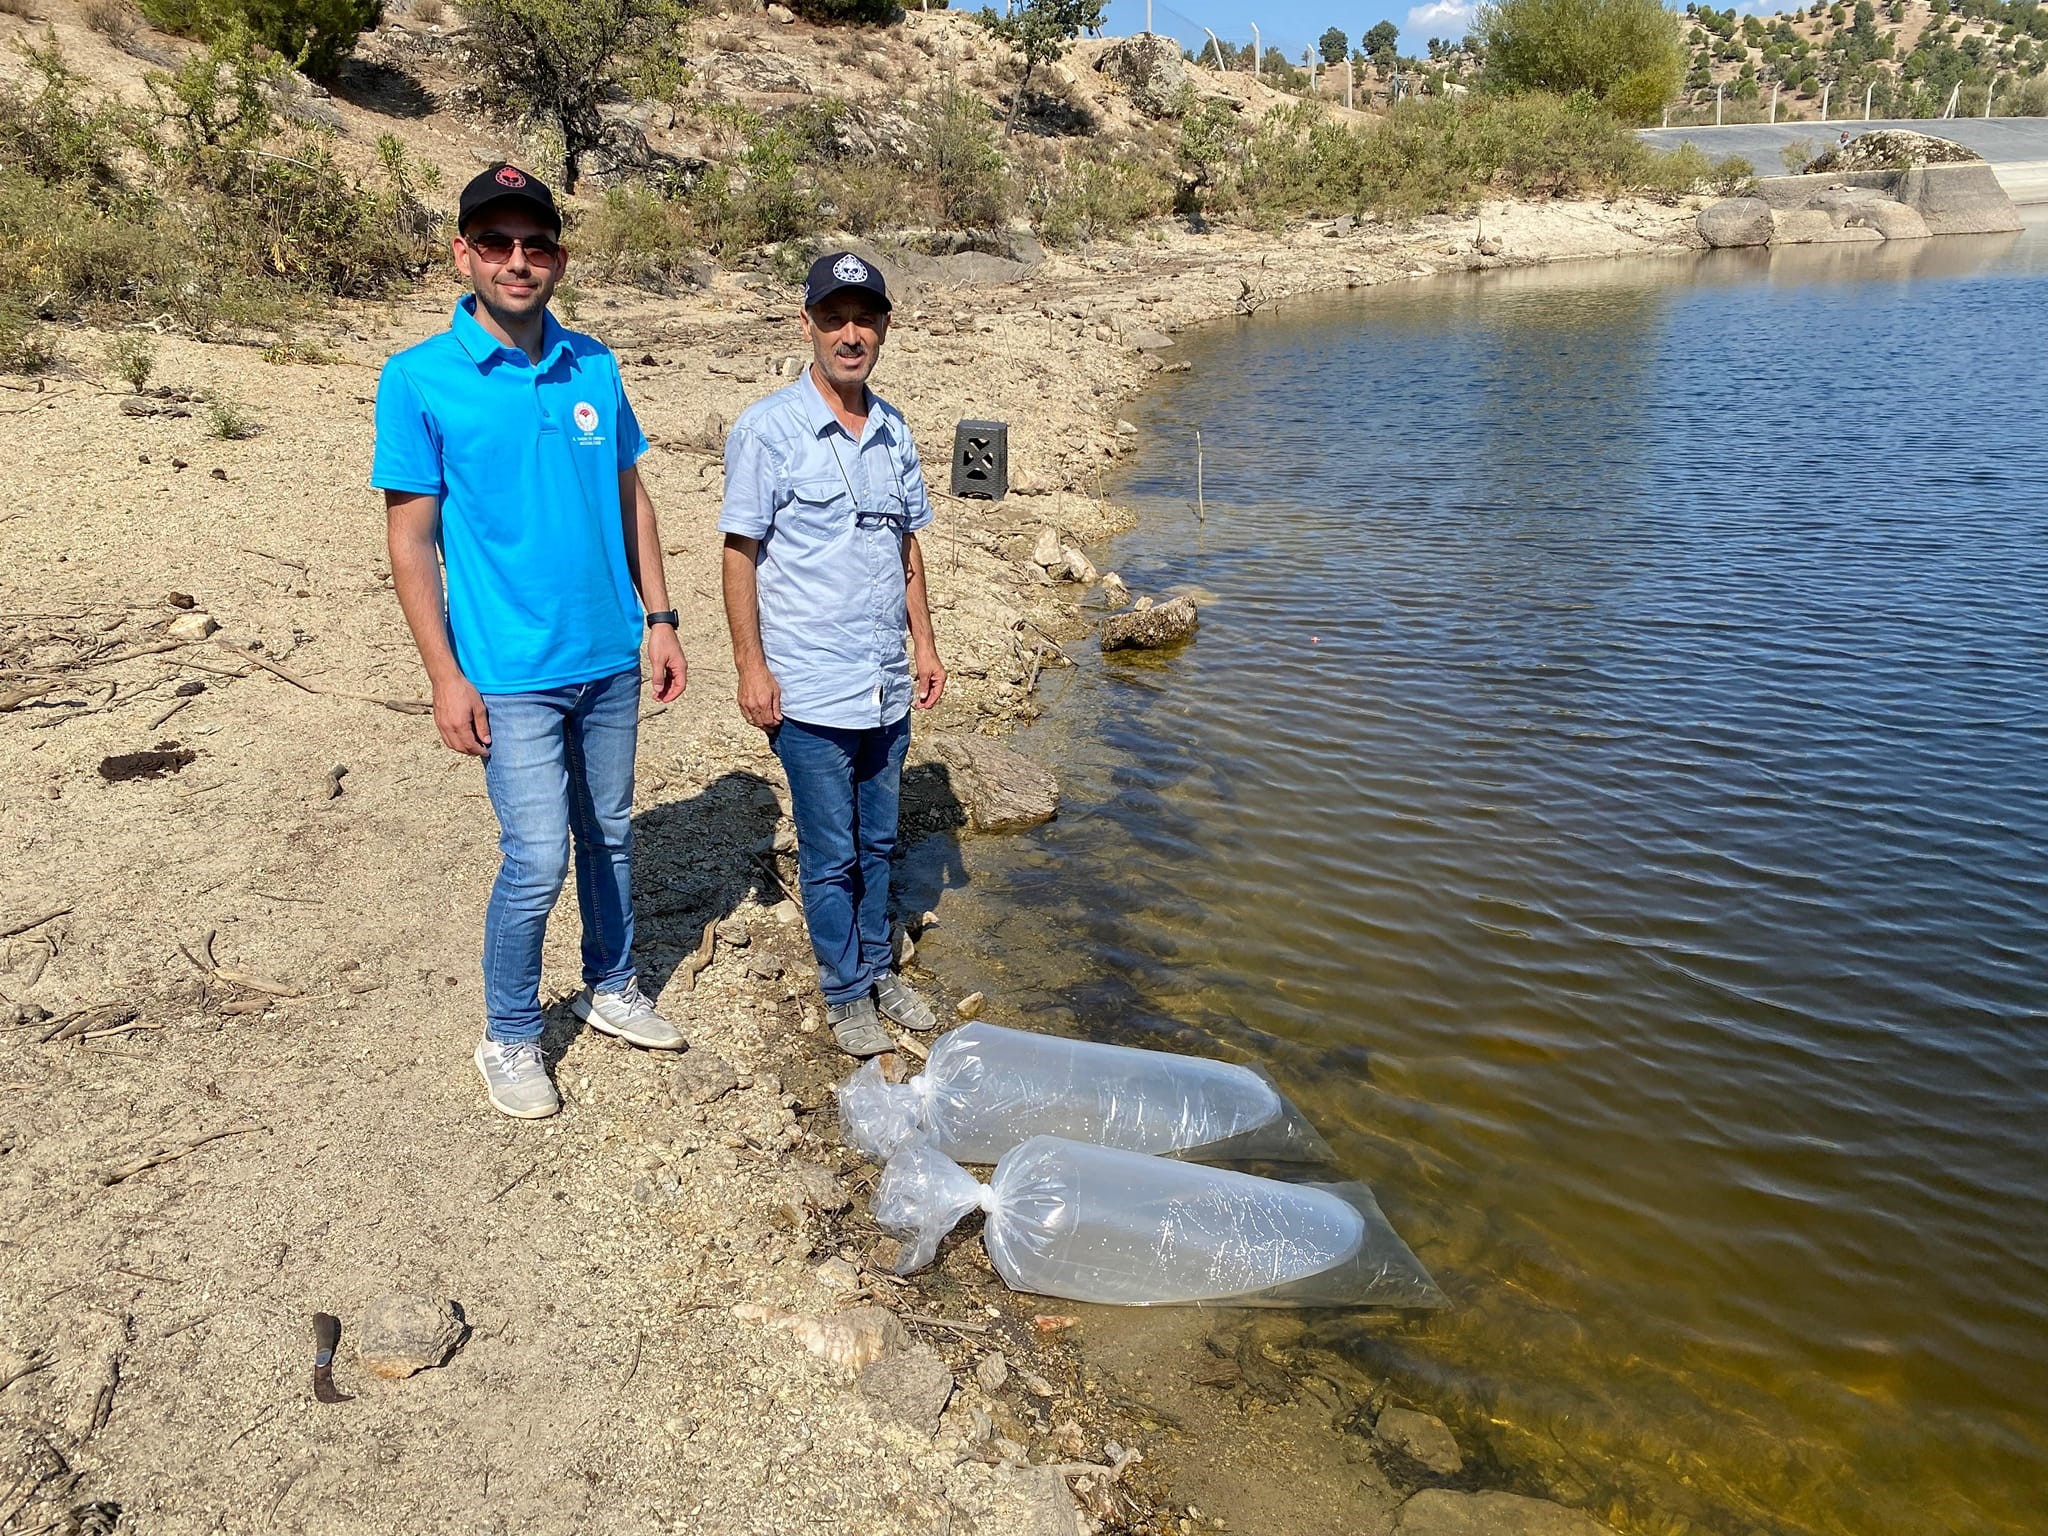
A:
{"x":831,"y":512}
{"x":526,"y":459}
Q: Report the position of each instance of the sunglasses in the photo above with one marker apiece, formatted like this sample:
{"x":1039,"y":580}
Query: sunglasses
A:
{"x":496,"y":247}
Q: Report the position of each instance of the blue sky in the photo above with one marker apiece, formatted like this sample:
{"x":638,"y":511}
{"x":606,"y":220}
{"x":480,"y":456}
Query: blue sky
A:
{"x":1290,"y":25}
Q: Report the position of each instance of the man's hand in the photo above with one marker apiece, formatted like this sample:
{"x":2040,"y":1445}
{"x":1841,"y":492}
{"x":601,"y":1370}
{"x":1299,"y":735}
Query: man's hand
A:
{"x":931,"y":678}
{"x":460,"y":717}
{"x":665,"y":660}
{"x":760,"y":697}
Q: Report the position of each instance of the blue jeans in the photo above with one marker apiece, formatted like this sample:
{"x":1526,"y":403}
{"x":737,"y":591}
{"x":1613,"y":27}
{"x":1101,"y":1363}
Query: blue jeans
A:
{"x":560,"y":770}
{"x":844,"y":789}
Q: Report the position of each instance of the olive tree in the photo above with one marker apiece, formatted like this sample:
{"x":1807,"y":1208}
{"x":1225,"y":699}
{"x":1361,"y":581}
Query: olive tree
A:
{"x":1333,"y":45}
{"x":1040,"y":31}
{"x":557,"y":59}
{"x":1625,"y":53}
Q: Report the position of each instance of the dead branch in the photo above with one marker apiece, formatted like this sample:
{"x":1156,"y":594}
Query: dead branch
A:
{"x":402,"y":706}
{"x":213,"y":970}
{"x":943,"y":1322}
{"x":164,"y":714}
{"x":33,"y":922}
{"x":129,"y":1170}
{"x":109,"y":1018}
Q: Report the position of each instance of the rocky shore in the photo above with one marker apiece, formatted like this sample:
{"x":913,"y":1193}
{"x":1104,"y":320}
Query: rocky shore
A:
{"x":240,"y":907}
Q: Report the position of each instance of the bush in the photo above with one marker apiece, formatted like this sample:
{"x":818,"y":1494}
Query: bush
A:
{"x":112,"y":19}
{"x":1624,"y":52}
{"x":312,"y":35}
{"x":1095,"y":196}
{"x":846,"y":13}
{"x":954,"y":152}
{"x":227,"y":418}
{"x":637,"y":235}
{"x":25,"y":345}
{"x":132,"y":356}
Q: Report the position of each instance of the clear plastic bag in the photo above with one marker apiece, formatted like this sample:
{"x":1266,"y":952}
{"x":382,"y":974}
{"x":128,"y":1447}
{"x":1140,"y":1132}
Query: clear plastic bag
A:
{"x":1090,"y":1223}
{"x":987,"y":1088}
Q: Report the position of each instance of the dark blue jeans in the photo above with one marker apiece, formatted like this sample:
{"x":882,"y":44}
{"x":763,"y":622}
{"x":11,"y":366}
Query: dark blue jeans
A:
{"x":844,"y":790}
{"x":560,"y":772}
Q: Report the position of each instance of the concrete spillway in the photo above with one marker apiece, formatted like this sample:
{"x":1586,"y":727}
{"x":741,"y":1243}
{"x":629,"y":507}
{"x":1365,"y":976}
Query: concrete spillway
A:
{"x":2017,"y":147}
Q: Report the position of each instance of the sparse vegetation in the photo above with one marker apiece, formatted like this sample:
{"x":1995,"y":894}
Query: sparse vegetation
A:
{"x":115,"y":20}
{"x":25,"y":346}
{"x":227,"y":418}
{"x":1039,"y":32}
{"x":132,"y":356}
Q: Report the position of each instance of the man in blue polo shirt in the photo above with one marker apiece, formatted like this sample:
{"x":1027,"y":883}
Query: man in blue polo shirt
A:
{"x":506,"y":452}
{"x":823,"y":575}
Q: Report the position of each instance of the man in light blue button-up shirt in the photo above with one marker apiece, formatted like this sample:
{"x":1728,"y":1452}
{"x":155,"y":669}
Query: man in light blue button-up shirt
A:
{"x":823,"y":577}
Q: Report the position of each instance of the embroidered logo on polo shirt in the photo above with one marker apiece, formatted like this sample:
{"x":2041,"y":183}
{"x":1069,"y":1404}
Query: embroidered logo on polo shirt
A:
{"x":585,"y":416}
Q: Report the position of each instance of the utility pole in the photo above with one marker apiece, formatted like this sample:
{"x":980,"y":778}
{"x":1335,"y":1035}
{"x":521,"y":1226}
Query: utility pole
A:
{"x":1717,"y":106}
{"x":1774,"y":101}
{"x":1347,"y":82}
{"x":1824,"y":90}
{"x":1954,"y":96}
{"x":1258,"y":56}
{"x":1148,"y":18}
{"x":1990,"y":91}
{"x":1867,"y":90}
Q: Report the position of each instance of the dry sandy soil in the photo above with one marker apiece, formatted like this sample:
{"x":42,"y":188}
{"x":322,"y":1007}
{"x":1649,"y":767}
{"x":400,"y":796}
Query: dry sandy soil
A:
{"x":155,"y":1321}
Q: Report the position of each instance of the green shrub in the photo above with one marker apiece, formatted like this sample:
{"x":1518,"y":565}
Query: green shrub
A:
{"x":311,"y":35}
{"x":1096,"y":196}
{"x":954,"y":152}
{"x":112,"y":19}
{"x":132,"y":356}
{"x":227,"y":418}
{"x":25,"y":344}
{"x":1624,"y":52}
{"x":848,"y":13}
{"x":637,"y":235}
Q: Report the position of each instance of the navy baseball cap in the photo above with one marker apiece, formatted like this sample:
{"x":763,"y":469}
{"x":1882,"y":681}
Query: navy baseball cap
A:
{"x":840,"y":271}
{"x":507,"y":184}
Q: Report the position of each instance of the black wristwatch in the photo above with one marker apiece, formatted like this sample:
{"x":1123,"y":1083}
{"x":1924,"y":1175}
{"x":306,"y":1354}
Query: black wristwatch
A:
{"x":666,"y":616}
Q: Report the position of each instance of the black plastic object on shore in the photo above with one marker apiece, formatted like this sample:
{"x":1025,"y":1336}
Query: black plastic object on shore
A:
{"x":1088,"y":1223}
{"x":987,"y":1088}
{"x":981,"y":459}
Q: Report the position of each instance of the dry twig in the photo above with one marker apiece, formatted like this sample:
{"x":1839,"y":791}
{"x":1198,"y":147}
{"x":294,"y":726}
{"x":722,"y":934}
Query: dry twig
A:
{"x":33,"y":922}
{"x":700,"y":957}
{"x":402,"y":706}
{"x":130,"y":1169}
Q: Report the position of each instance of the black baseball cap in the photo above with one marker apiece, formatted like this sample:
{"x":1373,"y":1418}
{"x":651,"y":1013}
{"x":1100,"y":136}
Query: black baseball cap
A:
{"x":842,"y":270}
{"x":507,"y":184}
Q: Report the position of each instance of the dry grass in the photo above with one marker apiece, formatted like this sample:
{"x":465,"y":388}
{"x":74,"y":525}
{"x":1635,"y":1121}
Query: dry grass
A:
{"x":14,"y":8}
{"x":115,"y":20}
{"x":428,"y":13}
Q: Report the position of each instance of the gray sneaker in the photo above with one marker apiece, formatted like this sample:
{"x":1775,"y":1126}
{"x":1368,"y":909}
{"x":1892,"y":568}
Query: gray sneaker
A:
{"x":517,"y":1079}
{"x":627,"y":1015}
{"x":856,"y":1028}
{"x":900,"y":1004}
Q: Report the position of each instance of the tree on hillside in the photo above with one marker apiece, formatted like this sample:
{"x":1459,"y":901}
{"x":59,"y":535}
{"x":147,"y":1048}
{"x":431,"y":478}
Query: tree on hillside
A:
{"x":311,"y":35}
{"x":1333,"y":45}
{"x":1625,"y":53}
{"x":1379,"y":42}
{"x":558,"y":59}
{"x":1040,"y":30}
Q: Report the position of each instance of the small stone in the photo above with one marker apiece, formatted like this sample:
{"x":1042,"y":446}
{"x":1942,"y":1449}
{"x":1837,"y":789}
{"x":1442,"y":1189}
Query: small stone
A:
{"x":648,"y":1192}
{"x":680,"y":1427}
{"x":1114,"y":592}
{"x":764,"y":967}
{"x":181,"y":600}
{"x":784,"y":840}
{"x":191,"y":626}
{"x":810,"y":1023}
{"x":902,"y":947}
{"x":980,"y":1427}
{"x":821,"y":1189}
{"x":855,"y":1339}
{"x":218,"y":474}
{"x":835,"y":1274}
{"x":401,"y":1335}
{"x":1422,"y":1437}
{"x":1035,"y":1384}
{"x":733,"y":931}
{"x":785,"y":911}
{"x":992,"y":1370}
{"x":781,"y":14}
{"x":911,"y":1385}
{"x":1147,"y":628}
{"x":189,"y":690}
{"x":969,"y":1007}
{"x":1046,"y":552}
{"x":1078,"y":567}
{"x":927,"y":919}
{"x":702,"y":1077}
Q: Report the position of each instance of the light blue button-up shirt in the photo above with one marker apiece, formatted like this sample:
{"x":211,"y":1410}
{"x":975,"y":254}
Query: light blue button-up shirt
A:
{"x":831,"y":514}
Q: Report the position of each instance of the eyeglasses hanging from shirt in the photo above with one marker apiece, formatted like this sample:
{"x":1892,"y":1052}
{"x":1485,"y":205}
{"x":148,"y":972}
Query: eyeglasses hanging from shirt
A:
{"x":866,"y":517}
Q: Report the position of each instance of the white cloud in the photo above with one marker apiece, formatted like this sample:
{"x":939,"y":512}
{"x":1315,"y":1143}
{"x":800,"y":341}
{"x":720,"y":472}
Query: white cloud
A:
{"x":1440,"y":18}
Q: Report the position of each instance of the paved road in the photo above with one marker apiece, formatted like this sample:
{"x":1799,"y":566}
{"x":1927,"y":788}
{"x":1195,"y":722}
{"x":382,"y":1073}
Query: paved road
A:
{"x":2017,"y":147}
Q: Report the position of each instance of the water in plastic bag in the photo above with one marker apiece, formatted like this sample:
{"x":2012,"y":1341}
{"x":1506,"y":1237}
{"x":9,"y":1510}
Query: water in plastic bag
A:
{"x":987,"y":1088}
{"x":1102,"y":1224}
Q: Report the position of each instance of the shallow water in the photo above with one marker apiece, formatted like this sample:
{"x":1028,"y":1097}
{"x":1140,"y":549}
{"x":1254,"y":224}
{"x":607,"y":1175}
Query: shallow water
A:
{"x":1607,"y":792}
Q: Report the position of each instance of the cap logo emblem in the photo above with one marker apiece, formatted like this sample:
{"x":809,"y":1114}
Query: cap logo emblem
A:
{"x":586,"y":416}
{"x":508,"y":177}
{"x":850,"y":269}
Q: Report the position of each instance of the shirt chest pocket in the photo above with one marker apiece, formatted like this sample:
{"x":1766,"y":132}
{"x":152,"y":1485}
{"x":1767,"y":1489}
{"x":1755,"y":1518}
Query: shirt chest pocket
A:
{"x":819,"y":511}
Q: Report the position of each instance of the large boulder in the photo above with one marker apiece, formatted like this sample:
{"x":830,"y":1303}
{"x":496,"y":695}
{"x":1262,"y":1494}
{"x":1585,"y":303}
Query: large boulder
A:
{"x":1813,"y":226}
{"x":1735,"y":221}
{"x":1894,"y":149}
{"x":1149,"y":69}
{"x":998,"y":788}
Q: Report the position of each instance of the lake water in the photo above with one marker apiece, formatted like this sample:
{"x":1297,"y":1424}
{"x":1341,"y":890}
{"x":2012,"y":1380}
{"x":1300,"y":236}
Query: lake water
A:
{"x":1608,"y":792}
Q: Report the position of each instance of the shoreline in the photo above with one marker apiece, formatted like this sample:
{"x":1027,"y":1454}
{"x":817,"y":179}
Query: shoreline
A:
{"x":605,"y":1381}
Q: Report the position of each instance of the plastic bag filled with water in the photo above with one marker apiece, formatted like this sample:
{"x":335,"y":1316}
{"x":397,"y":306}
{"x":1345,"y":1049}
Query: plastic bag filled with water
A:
{"x":1101,"y":1224}
{"x":987,"y":1088}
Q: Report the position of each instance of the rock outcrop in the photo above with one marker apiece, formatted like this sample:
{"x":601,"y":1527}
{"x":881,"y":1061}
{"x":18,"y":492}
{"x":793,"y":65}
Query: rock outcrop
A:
{"x":1149,"y":69}
{"x":1902,"y":186}
{"x":999,"y":789}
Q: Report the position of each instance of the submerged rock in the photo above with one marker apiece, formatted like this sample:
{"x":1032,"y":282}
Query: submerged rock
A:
{"x":1147,"y":628}
{"x":998,"y":788}
{"x":1421,"y":1437}
{"x":1440,"y":1512}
